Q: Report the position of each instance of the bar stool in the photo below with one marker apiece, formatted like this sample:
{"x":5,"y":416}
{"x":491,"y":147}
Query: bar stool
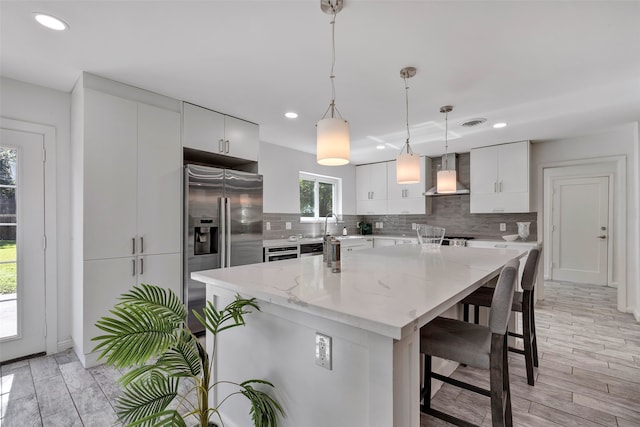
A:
{"x":479,"y":346}
{"x":523,"y":302}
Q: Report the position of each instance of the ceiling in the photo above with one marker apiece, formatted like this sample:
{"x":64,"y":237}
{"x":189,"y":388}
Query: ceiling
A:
{"x":550,"y":69}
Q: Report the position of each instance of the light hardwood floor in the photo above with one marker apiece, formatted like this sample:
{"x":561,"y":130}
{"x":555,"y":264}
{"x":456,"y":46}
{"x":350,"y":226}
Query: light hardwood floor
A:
{"x":589,"y":375}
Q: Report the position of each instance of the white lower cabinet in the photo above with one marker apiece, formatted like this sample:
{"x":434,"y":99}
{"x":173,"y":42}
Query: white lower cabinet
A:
{"x":106,"y":279}
{"x":379,"y":242}
{"x":357,"y":244}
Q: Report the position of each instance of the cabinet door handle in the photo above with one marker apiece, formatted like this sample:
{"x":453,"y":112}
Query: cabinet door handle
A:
{"x":500,"y":187}
{"x":141,"y":245}
{"x":141,"y":266}
{"x":226,"y":146}
{"x":221,"y":146}
{"x":133,"y":264}
{"x":495,"y":186}
{"x":133,"y":246}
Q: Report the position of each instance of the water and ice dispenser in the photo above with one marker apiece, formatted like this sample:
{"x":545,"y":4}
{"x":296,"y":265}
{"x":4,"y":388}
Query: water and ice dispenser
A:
{"x":205,"y":237}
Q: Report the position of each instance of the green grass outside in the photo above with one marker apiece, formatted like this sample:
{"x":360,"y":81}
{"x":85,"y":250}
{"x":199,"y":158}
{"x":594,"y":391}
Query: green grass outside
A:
{"x":7,"y":271}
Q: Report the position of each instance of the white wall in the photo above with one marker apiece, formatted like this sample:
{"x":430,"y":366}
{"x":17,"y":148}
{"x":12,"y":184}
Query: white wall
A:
{"x":619,"y":141}
{"x":280,"y":167}
{"x":36,"y":104}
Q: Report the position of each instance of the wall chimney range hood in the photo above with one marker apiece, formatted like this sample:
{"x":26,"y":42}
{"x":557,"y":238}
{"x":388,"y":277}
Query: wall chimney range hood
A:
{"x":451,"y":160}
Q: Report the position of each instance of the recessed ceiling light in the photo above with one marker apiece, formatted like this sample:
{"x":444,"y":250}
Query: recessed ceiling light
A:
{"x":499,"y":125}
{"x":50,"y":21}
{"x":380,"y":147}
{"x":291,"y":115}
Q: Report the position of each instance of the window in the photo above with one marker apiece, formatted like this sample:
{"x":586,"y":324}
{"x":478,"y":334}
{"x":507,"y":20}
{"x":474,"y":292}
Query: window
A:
{"x":319,"y":196}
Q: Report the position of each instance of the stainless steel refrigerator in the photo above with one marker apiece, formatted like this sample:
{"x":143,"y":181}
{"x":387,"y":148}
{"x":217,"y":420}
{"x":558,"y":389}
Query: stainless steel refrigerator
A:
{"x":223,"y":226}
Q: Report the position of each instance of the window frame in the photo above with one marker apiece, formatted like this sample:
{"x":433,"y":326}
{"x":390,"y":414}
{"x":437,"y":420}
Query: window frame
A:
{"x":336,"y":195}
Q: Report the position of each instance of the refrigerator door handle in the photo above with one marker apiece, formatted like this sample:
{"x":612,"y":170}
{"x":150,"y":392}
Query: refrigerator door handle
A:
{"x":228,"y":230}
{"x":223,"y":233}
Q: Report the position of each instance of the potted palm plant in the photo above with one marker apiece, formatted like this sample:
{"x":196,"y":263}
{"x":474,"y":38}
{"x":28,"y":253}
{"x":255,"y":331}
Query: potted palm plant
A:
{"x":147,"y":335}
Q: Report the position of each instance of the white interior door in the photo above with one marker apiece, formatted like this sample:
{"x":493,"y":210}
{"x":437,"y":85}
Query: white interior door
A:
{"x":580,"y":221}
{"x":22,"y":264}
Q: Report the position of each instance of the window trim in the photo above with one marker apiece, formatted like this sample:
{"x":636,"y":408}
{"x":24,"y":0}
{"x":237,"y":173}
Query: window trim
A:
{"x":337,"y":193}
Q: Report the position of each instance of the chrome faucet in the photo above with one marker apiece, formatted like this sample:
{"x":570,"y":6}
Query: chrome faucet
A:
{"x":325,"y":241}
{"x":326,"y":218}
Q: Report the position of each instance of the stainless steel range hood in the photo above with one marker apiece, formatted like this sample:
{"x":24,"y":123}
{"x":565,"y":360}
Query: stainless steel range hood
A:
{"x":451,"y":160}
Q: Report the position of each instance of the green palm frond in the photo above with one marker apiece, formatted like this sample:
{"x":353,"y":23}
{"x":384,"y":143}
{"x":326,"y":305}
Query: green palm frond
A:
{"x":163,"y":302}
{"x":136,"y":374}
{"x":264,"y":408}
{"x":146,"y":397}
{"x":168,"y":418}
{"x":182,"y":360}
{"x":133,"y":335}
{"x":217,"y":321}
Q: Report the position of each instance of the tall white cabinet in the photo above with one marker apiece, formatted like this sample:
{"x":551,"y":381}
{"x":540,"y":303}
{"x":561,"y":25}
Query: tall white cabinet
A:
{"x":371,"y":189}
{"x":500,"y":178}
{"x":127,"y":203}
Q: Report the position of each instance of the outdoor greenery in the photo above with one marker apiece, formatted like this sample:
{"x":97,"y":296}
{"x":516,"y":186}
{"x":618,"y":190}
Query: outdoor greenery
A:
{"x":147,"y":333}
{"x":7,"y":271}
{"x":308,"y":198}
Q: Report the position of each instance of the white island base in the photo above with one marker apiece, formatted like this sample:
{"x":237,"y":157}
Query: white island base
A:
{"x":372,"y":311}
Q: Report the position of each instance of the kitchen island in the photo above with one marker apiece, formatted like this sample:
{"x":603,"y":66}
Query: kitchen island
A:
{"x":372,"y":311}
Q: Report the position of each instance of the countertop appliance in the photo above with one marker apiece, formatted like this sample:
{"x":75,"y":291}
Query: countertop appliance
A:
{"x":222,"y":226}
{"x":455,"y":240}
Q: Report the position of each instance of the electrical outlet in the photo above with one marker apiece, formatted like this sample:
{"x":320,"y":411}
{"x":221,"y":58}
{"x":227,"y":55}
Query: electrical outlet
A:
{"x":268,"y":226}
{"x":287,"y":225}
{"x":413,"y":226}
{"x":381,"y":224}
{"x":323,"y":350}
{"x":503,"y":226}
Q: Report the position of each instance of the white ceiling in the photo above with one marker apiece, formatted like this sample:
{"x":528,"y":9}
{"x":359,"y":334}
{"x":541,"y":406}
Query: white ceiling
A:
{"x":550,"y":69}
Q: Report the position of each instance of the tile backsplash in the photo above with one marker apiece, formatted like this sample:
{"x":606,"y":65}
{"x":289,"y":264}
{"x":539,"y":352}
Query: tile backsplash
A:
{"x":278,"y":222}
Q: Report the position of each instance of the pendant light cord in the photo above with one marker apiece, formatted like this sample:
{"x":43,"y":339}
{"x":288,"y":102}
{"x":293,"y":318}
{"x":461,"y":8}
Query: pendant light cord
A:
{"x":446,"y":140}
{"x":332,"y":76}
{"x":406,"y":99}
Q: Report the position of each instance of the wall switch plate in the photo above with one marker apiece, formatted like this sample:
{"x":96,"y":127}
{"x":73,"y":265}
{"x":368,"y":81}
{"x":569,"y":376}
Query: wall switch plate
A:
{"x":381,"y":224}
{"x":503,"y":226}
{"x":287,"y":225}
{"x":413,"y":226}
{"x":268,"y":226}
{"x":323,"y":350}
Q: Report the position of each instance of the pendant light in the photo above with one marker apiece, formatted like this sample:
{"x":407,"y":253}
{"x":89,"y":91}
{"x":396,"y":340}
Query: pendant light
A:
{"x":446,"y":179}
{"x":407,"y":164}
{"x":332,"y":144}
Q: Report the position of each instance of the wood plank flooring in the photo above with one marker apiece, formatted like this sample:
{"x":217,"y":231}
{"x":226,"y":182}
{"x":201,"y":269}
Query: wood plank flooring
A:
{"x":589,"y":372}
{"x":589,"y":375}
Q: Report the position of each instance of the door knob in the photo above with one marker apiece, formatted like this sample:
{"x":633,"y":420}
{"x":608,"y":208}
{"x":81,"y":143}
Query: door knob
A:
{"x":602,"y":237}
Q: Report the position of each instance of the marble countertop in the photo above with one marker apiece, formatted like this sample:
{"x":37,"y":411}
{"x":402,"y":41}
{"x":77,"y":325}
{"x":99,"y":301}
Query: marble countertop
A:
{"x":387,"y":290}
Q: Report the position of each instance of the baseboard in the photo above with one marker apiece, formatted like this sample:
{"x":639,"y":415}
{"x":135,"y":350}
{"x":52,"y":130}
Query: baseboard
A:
{"x":65,"y":345}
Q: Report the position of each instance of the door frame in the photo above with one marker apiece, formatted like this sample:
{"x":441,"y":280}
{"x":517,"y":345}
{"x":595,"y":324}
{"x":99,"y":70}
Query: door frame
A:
{"x":613,"y":167}
{"x":550,"y":180}
{"x":48,"y":134}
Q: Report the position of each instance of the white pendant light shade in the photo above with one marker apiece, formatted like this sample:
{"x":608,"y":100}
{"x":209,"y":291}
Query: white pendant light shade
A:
{"x":332,"y":145}
{"x":446,"y":182}
{"x":408,"y":168}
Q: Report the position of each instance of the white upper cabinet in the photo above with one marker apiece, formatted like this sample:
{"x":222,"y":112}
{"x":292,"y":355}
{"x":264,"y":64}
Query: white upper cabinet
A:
{"x":405,"y":198}
{"x":371,"y":189}
{"x":500,"y":178}
{"x":132,"y":178}
{"x":210,"y":131}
